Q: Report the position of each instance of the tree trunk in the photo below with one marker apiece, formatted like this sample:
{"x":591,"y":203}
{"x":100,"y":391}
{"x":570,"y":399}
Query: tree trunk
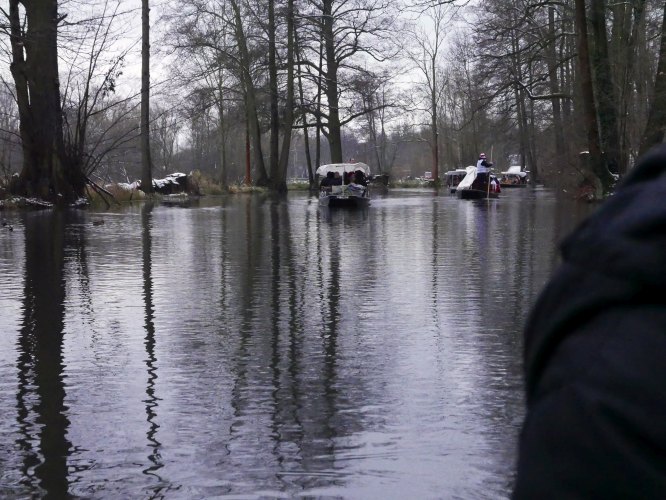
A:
{"x":567,"y":48}
{"x":279,"y":180}
{"x":372,"y":130}
{"x":306,"y":137}
{"x":319,"y":93}
{"x":531,"y":150}
{"x":627,"y":20}
{"x":146,"y":166}
{"x":433,"y":125}
{"x":605,"y":94}
{"x":273,"y":95}
{"x":334,"y":135}
{"x":522,"y":129}
{"x":34,"y":68}
{"x":521,"y":112}
{"x":248,"y":163}
{"x":250,"y":97}
{"x":589,"y":109}
{"x":555,"y":89}
{"x":222,"y":134}
{"x":656,"y":123}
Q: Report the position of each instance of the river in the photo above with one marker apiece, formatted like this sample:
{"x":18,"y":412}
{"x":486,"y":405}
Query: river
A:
{"x":246,"y":347}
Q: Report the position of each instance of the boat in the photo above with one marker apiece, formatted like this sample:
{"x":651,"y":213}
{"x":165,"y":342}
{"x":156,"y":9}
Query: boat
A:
{"x":343,"y":193}
{"x":467,"y":190}
{"x":514,"y":177}
{"x":453,"y":177}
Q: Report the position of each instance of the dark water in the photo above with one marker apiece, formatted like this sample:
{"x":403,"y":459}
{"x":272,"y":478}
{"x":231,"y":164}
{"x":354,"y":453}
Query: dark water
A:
{"x":249,"y":348}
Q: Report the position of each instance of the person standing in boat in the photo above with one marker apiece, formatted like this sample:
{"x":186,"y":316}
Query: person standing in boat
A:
{"x":482,"y":169}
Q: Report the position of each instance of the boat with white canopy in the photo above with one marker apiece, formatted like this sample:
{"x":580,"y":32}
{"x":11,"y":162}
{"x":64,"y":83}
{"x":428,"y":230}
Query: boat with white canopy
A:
{"x":515,"y":176}
{"x":344,"y":185}
{"x":469,"y":190}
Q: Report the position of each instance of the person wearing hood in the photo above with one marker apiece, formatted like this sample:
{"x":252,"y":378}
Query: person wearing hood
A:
{"x":595,"y":351}
{"x":482,"y":171}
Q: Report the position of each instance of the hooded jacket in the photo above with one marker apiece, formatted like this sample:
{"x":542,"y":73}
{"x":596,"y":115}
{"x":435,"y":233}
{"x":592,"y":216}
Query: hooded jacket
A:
{"x":595,"y":354}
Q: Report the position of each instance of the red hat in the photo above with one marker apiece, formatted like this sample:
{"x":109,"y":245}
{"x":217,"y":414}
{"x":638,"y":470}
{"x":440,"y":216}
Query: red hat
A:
{"x":482,"y":155}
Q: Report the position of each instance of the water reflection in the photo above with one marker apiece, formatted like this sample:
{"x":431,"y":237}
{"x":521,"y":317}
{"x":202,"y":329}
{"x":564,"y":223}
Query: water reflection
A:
{"x":151,"y":401}
{"x":40,"y":398}
{"x":258,"y":347}
{"x":330,"y":269}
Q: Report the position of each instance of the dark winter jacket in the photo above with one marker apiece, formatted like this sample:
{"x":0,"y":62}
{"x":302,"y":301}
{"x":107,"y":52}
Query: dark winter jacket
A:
{"x":595,"y":355}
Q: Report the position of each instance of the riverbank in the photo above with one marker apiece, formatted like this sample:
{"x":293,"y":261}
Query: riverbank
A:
{"x":198,"y":184}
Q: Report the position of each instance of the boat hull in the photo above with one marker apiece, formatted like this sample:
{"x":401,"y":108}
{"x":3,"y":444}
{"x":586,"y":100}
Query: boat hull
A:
{"x":475,"y":194}
{"x":344,"y":201}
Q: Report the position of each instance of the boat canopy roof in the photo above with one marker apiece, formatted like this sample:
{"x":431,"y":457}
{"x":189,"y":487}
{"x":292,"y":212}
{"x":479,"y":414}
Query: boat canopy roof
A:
{"x":515,"y":170}
{"x":467,"y":181}
{"x":343,"y":168}
{"x":458,"y":171}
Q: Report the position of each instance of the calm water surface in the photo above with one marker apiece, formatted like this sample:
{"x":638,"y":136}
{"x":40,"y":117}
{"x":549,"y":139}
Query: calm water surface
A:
{"x":247,"y":348}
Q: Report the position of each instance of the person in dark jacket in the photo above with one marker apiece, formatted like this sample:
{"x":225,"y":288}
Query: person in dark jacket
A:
{"x":482,"y":170}
{"x":595,"y":354}
{"x":327,"y":181}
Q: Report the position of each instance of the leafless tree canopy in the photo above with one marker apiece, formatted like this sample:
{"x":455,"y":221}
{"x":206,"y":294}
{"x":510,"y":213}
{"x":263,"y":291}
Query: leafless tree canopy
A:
{"x":264,"y":90}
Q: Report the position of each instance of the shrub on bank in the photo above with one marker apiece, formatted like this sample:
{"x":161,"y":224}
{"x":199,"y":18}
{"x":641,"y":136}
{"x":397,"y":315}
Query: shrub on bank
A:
{"x":199,"y":183}
{"x":243,"y":188}
{"x":121,"y":193}
{"x":298,"y":185}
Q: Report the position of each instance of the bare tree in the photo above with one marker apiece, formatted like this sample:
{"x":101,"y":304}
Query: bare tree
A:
{"x":93,"y":68}
{"x":279,"y":176}
{"x":655,"y":129}
{"x":146,"y":163}
{"x":9,"y":136}
{"x":245,"y":64}
{"x":87,"y":127}
{"x":604,"y":93}
{"x":383,"y":107}
{"x":426,"y":56}
{"x":347,"y":34}
{"x":166,"y":125}
{"x":34,"y":44}
{"x":303,"y":107}
{"x":587,"y":86}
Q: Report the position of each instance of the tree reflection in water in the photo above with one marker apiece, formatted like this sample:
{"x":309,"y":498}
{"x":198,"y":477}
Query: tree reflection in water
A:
{"x":151,"y":400}
{"x":40,"y":398}
{"x":259,"y":347}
